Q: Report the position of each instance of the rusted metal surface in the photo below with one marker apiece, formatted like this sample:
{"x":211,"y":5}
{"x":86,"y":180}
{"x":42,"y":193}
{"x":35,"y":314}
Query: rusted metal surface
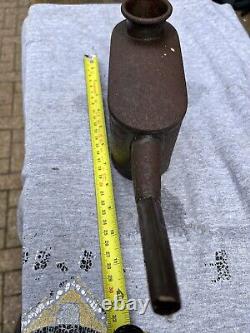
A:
{"x":147,"y":102}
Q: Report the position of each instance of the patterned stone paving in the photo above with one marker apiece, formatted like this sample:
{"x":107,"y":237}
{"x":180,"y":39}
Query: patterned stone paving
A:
{"x":12,"y":13}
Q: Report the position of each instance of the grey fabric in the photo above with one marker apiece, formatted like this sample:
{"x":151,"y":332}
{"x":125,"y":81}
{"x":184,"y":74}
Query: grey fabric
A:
{"x":205,"y":193}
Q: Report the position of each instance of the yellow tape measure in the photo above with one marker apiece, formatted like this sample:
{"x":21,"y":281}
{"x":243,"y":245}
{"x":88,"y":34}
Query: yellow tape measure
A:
{"x":111,"y":257}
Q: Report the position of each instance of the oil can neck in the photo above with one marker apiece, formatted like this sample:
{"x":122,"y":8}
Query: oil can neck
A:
{"x":146,"y":18}
{"x":145,"y":32}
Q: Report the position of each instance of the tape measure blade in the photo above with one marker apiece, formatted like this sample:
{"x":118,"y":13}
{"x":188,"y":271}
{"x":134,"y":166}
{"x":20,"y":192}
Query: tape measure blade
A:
{"x":111,"y":256}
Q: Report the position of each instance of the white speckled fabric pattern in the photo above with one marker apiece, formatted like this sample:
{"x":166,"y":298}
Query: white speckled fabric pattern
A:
{"x":205,"y":193}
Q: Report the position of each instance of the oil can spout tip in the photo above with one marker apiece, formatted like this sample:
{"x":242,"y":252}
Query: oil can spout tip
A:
{"x":167,"y":305}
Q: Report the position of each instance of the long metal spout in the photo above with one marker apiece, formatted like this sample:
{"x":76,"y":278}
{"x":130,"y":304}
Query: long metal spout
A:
{"x":146,"y":174}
